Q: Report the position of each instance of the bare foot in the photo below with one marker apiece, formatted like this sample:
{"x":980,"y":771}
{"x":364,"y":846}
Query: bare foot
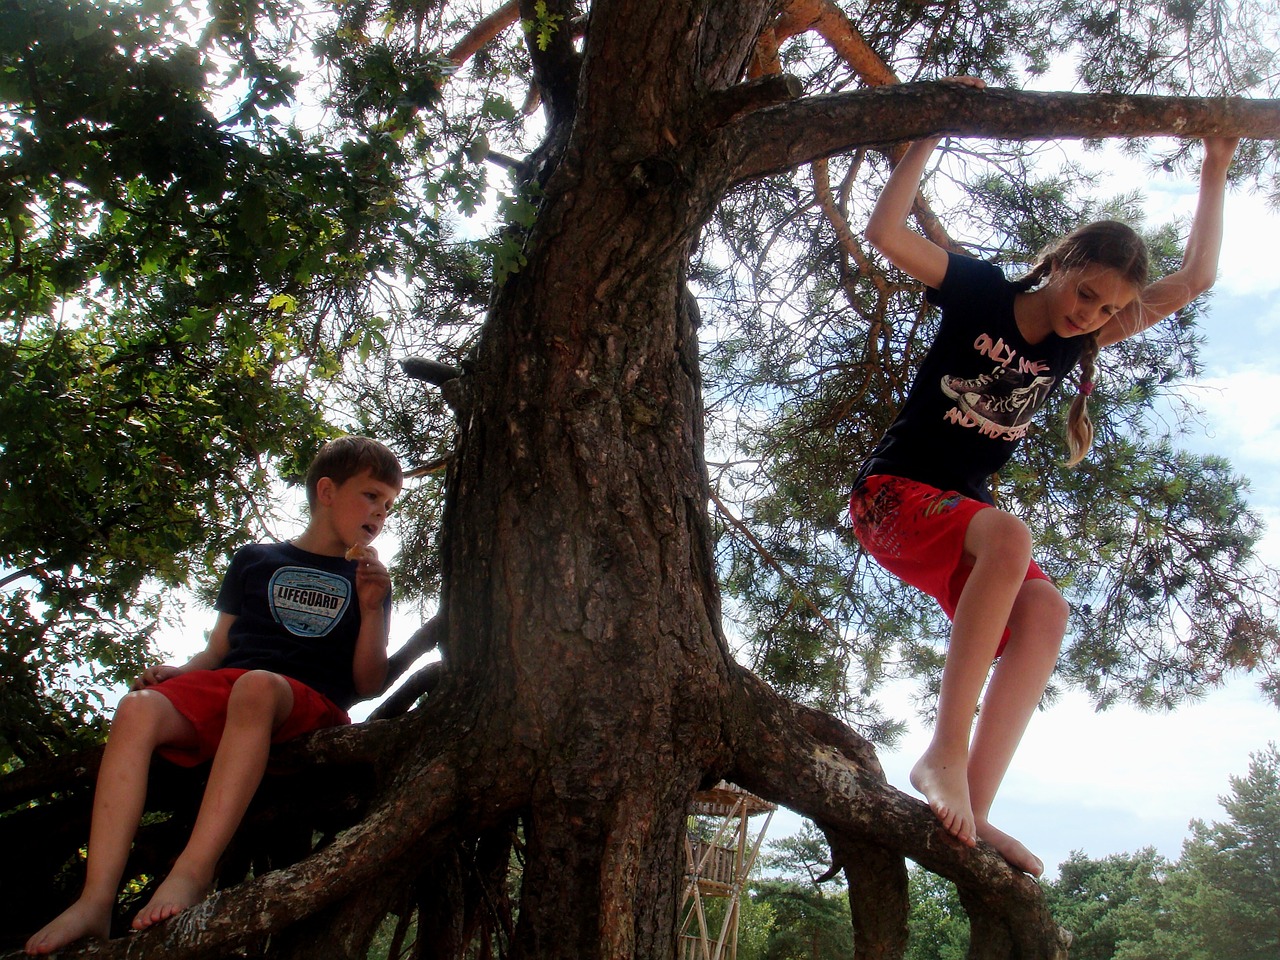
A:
{"x":946,"y":786}
{"x":174,"y":895}
{"x":81,"y":919}
{"x":1012,"y":850}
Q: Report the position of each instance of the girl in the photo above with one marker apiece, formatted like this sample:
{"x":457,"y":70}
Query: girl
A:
{"x":922,"y":505}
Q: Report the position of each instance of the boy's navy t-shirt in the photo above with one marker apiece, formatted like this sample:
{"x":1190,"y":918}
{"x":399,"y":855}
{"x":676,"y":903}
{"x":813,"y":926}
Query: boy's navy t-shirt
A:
{"x":977,"y":387}
{"x":296,"y":614}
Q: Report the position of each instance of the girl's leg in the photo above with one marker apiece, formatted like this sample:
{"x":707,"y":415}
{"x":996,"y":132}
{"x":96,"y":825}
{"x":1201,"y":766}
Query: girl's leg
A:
{"x":1000,"y":547}
{"x":1036,"y":627}
{"x":144,"y":720}
{"x":260,"y":702}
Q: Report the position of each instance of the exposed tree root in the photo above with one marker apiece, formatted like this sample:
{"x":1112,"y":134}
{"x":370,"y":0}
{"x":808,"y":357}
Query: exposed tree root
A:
{"x":804,"y":760}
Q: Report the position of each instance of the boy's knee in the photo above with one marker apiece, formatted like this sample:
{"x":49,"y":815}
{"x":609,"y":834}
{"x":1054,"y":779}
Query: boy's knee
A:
{"x":260,"y":689}
{"x":143,"y":716}
{"x":139,"y":707}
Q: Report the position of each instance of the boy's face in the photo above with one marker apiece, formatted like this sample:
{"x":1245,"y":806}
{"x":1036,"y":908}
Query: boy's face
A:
{"x":358,"y":507}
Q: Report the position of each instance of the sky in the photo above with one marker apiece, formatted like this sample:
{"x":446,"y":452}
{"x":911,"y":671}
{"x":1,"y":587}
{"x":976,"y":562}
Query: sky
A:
{"x":1122,"y":780}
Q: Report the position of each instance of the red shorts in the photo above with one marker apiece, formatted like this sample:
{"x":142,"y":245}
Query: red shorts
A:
{"x":201,"y":696}
{"x":916,"y":532}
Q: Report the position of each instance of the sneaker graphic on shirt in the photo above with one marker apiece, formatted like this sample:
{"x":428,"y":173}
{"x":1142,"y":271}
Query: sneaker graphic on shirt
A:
{"x":1010,"y":412}
{"x":1001,"y":380}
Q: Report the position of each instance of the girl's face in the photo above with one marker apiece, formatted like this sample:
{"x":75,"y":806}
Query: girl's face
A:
{"x":1080,"y":300}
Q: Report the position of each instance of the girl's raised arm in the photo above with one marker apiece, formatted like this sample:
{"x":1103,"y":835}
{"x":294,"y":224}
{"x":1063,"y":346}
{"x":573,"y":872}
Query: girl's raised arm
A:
{"x":1199,"y":262}
{"x":887,"y":230}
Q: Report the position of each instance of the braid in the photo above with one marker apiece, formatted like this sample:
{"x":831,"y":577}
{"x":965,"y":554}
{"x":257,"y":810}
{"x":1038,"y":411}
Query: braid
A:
{"x":1032,"y":277}
{"x":1079,"y":426}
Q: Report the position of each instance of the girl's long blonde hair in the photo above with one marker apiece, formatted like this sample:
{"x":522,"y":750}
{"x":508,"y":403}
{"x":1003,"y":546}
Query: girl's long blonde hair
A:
{"x":1108,"y":243}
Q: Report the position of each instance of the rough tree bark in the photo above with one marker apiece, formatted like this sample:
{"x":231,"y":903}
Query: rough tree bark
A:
{"x":588,"y":689}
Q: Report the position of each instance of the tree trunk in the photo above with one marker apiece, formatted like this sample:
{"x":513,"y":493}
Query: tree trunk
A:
{"x":581,"y":594}
{"x":581,"y":591}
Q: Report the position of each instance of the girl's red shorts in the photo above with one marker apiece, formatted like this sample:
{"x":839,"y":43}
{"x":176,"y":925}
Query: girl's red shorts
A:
{"x":916,"y":532}
{"x":201,"y":696}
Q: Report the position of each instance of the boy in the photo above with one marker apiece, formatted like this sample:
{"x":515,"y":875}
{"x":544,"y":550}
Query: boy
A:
{"x":301,"y":635}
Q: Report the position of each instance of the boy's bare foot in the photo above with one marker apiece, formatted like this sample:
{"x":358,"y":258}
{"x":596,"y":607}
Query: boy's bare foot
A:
{"x":946,"y":786}
{"x":1012,"y":850}
{"x":81,"y":919}
{"x":174,"y":895}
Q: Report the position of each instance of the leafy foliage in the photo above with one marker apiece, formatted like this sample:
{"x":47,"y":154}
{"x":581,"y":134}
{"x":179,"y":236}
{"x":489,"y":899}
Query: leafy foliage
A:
{"x":1220,"y":900}
{"x":938,"y":924}
{"x":218,"y":233}
{"x":178,"y":293}
{"x":808,"y":922}
{"x":1227,"y":888}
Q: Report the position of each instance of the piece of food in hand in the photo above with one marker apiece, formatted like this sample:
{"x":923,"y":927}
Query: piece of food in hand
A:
{"x":358,"y":551}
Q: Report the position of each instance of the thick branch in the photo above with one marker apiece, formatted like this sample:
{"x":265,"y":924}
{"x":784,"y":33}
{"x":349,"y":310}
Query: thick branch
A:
{"x":460,"y":780}
{"x":723,"y":106}
{"x":556,"y":65}
{"x":780,"y":138}
{"x":410,"y":692}
{"x":834,"y":26}
{"x":486,"y":30}
{"x":40,"y":779}
{"x":818,"y":768}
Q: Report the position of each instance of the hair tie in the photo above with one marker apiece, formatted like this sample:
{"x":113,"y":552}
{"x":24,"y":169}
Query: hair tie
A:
{"x":1086,"y":387}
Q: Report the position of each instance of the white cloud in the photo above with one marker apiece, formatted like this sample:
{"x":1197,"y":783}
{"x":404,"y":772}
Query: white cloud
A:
{"x":1243,"y":414}
{"x":1247,"y":264}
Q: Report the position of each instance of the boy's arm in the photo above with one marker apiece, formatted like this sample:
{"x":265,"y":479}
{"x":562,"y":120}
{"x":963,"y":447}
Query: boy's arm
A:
{"x":210,"y":658}
{"x":1199,"y":262}
{"x":369,"y":666}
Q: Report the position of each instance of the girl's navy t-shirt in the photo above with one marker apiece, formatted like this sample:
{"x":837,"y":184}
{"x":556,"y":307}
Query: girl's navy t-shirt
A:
{"x":977,"y":387}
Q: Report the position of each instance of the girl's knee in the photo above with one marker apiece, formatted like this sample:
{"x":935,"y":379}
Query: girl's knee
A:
{"x":1040,"y":607}
{"x":996,"y":536}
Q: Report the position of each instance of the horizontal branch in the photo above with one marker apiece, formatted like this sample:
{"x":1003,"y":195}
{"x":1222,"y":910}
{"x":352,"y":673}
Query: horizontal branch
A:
{"x":785,"y":754}
{"x":782,"y":137}
{"x":460,"y":775}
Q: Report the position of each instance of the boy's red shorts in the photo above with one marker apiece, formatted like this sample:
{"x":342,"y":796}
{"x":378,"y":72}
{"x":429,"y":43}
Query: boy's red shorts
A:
{"x":201,"y":696}
{"x":916,"y":532}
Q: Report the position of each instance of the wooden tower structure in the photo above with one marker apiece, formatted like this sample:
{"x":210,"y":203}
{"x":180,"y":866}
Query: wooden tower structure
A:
{"x":719,"y":854}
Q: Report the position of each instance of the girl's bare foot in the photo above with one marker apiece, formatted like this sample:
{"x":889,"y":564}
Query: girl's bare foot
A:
{"x":945,"y":784}
{"x":174,"y":895}
{"x":1012,"y":850}
{"x":81,"y":919}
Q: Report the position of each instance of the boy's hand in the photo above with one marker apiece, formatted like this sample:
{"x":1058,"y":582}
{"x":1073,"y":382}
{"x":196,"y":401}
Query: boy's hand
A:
{"x":373,"y":582}
{"x":156,"y":674}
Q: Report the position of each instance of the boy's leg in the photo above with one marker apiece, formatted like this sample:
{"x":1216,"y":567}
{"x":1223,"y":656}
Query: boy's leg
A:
{"x":144,"y":720}
{"x":1000,"y":547}
{"x":1036,"y":627}
{"x":260,"y":702}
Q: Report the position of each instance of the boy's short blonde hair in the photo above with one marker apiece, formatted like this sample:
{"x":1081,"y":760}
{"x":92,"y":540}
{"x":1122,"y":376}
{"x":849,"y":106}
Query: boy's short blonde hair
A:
{"x":346,"y":457}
